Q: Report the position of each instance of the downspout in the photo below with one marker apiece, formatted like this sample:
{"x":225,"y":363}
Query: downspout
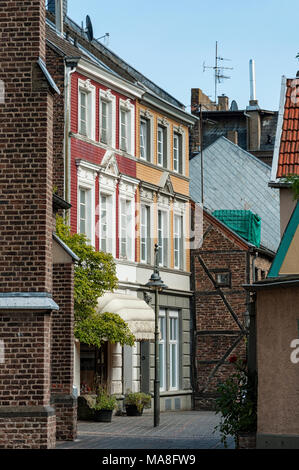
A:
{"x":70,"y":67}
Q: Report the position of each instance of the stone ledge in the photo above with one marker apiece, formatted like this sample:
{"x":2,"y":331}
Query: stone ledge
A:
{"x":26,"y":411}
{"x":27,"y":301}
{"x":63,"y":399}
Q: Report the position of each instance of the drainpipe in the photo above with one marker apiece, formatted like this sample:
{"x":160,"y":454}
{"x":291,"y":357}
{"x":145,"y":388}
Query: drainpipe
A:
{"x":70,"y":67}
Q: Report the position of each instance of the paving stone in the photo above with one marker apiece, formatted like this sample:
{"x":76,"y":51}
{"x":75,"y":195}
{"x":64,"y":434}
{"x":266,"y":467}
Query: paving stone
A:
{"x":177,"y":430}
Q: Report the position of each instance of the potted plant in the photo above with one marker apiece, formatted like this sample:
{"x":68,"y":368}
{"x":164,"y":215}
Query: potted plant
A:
{"x":136,"y":402}
{"x":104,"y":406}
{"x":237,"y":404}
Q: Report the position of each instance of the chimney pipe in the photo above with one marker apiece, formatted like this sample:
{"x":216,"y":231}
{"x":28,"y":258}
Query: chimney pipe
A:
{"x":59,"y":15}
{"x":252,"y":80}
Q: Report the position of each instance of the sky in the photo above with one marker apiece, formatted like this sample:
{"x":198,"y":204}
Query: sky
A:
{"x":168,"y":41}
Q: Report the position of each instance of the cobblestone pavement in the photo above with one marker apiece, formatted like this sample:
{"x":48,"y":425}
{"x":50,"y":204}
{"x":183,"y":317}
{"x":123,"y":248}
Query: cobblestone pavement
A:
{"x":177,"y":430}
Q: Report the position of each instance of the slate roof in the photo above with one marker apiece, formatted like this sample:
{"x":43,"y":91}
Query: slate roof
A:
{"x":286,"y":153}
{"x":236,"y":180}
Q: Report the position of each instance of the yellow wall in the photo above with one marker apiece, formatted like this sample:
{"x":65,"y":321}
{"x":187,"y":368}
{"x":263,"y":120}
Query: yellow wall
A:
{"x":146,"y":172}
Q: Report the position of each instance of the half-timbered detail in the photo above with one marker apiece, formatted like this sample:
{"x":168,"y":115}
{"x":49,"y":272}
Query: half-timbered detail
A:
{"x":223,"y":264}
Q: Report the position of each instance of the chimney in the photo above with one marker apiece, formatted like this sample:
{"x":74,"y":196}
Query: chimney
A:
{"x":232,"y":136}
{"x":252,"y":101}
{"x":197,"y":98}
{"x":59,"y":9}
{"x":222,"y":103}
{"x":253,"y":112}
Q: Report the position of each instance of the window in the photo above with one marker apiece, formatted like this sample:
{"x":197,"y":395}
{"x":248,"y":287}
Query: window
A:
{"x":126,"y":229}
{"x":162,"y":146}
{"x":173,"y":350}
{"x":85,"y":212}
{"x":145,"y":153}
{"x":177,"y":152}
{"x":127,"y":126}
{"x":178,"y":241}
{"x":86,"y":109}
{"x":145,"y":235}
{"x":107,"y":118}
{"x":83,"y":123}
{"x":105,"y":128}
{"x":105,"y":223}
{"x":163,"y":237}
{"x":169,"y":349}
{"x":162,"y":349}
{"x":124,"y":130}
{"x":223,"y":278}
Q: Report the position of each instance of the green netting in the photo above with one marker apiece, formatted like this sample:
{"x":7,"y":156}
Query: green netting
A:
{"x":244,"y":223}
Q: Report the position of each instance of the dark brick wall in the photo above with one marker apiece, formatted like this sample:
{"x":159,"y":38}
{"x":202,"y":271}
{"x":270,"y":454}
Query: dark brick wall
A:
{"x":26,"y":186}
{"x":216,"y":329}
{"x":217,"y":332}
{"x":25,"y":151}
{"x":55,"y":66}
{"x":62,"y":357}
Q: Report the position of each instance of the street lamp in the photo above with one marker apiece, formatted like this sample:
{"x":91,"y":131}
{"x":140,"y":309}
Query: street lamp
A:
{"x":156,"y":284}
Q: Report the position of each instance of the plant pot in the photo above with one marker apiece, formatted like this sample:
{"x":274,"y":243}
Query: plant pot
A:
{"x":103,"y":416}
{"x":246,"y":440}
{"x":132,"y":410}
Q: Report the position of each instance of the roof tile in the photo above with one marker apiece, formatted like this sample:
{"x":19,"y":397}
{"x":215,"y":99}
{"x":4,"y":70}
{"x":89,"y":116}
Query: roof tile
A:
{"x":288,"y":160}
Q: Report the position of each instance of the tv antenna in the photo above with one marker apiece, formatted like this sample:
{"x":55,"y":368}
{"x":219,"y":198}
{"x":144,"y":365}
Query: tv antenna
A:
{"x":218,"y":70}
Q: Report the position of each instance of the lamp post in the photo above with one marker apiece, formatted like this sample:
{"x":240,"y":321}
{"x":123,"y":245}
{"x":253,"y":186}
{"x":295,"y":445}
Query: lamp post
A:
{"x":155,"y":283}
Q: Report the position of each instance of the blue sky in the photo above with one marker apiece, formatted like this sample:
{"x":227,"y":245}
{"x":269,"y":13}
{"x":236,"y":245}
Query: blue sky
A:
{"x":168,"y":41}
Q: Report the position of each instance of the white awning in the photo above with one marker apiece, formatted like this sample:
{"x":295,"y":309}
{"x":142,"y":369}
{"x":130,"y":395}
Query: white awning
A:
{"x":139,"y":316}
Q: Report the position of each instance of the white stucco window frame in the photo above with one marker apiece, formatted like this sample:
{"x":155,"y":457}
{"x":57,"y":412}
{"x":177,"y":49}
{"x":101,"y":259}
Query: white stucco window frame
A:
{"x":86,"y":177}
{"x":175,"y":315}
{"x":108,"y":97}
{"x":129,"y":108}
{"x":147,"y":199}
{"x":177,"y":129}
{"x":164,"y":206}
{"x":148,"y":116}
{"x":107,"y":187}
{"x":127,"y":191}
{"x":162,"y":122}
{"x":90,"y":90}
{"x":179,"y":209}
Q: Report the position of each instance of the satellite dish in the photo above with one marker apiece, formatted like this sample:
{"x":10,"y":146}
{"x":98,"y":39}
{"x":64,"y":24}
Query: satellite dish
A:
{"x":89,"y":28}
{"x":234,"y":106}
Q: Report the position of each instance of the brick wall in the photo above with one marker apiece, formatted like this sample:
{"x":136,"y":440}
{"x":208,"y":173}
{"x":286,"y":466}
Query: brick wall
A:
{"x":216,"y":329}
{"x":26,"y":140}
{"x":62,"y":357}
{"x":217,"y":332}
{"x":55,"y":66}
{"x":25,"y":151}
{"x":25,"y":380}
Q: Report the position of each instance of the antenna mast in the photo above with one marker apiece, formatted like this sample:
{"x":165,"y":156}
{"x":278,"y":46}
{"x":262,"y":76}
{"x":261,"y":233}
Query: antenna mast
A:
{"x":218,"y":70}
